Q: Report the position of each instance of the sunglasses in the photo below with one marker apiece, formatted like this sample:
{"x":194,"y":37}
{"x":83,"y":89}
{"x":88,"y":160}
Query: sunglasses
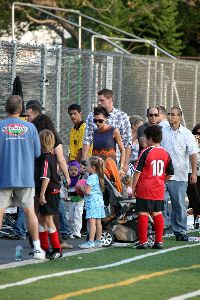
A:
{"x":151,"y":115}
{"x":173,"y":115}
{"x":197,"y":133}
{"x":100,"y":121}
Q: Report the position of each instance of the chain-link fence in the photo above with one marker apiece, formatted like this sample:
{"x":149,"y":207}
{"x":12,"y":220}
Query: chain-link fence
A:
{"x":58,"y":77}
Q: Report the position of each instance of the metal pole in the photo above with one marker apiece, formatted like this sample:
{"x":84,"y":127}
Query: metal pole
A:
{"x":43,"y":75}
{"x":118,"y":88}
{"x":92,"y":43}
{"x":38,"y":7}
{"x":13,"y":21}
{"x":155,"y":82}
{"x":161,"y":84}
{"x":58,"y":86}
{"x":79,"y":32}
{"x":13,"y":60}
{"x":172,"y":86}
{"x":195,"y":94}
{"x":179,"y":103}
{"x":148,"y":82}
{"x":165,"y":94}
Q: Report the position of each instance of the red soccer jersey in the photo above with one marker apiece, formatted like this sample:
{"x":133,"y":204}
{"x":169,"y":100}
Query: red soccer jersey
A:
{"x":153,"y":163}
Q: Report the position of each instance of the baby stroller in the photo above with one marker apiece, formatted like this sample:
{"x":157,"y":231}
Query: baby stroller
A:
{"x":9,"y":219}
{"x":121,"y":222}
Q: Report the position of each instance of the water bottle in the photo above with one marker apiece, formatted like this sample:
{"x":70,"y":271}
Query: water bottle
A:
{"x":197,"y":223}
{"x":18,"y":253}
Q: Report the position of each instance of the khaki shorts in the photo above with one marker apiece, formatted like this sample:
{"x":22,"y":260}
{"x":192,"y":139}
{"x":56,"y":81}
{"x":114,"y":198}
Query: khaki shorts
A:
{"x":22,"y":197}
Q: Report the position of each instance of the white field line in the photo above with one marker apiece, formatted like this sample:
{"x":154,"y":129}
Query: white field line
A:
{"x":122,"y":262}
{"x":186,"y":296}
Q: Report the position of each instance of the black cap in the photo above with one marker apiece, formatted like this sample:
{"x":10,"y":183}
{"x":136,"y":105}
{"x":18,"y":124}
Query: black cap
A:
{"x":34,"y":102}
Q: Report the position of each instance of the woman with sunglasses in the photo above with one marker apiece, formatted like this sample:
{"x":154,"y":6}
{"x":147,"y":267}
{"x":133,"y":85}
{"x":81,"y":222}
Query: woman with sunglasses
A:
{"x":106,"y":138}
{"x":193,"y":190}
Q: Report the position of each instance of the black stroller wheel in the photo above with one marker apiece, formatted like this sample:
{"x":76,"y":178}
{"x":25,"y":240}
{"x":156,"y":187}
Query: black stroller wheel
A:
{"x":107,"y":238}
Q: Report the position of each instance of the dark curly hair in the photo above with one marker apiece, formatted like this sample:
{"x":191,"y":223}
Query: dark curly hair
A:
{"x":196,"y":127}
{"x":42,"y":122}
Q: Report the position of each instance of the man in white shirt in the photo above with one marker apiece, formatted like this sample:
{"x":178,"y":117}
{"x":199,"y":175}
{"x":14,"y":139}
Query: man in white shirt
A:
{"x":181,"y":145}
{"x":162,"y":117}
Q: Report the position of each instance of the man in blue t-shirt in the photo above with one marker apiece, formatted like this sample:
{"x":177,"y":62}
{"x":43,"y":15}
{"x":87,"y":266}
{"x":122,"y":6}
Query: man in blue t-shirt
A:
{"x":19,"y":146}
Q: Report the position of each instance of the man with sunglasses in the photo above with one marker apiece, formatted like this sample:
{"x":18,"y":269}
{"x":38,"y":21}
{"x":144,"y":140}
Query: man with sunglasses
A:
{"x":117,"y":119}
{"x":152,"y":116}
{"x":179,"y":142}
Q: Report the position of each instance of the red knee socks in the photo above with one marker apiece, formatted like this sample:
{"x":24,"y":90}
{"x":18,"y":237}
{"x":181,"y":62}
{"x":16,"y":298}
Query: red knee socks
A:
{"x":142,"y":228}
{"x":158,"y":222}
{"x":54,"y":240}
{"x":44,"y":240}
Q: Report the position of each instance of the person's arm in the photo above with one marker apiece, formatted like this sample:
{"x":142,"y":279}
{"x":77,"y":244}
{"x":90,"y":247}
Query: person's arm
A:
{"x":62,"y":162}
{"x":193,"y":161}
{"x":167,"y":177}
{"x":169,"y":170}
{"x":86,"y":190}
{"x":37,"y":146}
{"x":126,"y":135}
{"x":127,"y":158}
{"x":79,"y":155}
{"x":136,"y":177}
{"x":88,"y":136}
{"x":45,"y":182}
{"x":85,"y":151}
{"x":142,"y":142}
{"x":118,"y":139}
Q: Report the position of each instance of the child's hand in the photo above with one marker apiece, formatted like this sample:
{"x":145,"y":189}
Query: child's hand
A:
{"x":42,"y":200}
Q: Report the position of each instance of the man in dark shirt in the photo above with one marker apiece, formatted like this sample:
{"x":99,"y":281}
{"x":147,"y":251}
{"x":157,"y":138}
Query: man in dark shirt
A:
{"x":152,"y":116}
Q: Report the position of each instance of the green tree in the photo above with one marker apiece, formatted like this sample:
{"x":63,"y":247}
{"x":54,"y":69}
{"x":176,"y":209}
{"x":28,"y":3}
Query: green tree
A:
{"x":149,"y":19}
{"x":189,"y":14}
{"x":158,"y":21}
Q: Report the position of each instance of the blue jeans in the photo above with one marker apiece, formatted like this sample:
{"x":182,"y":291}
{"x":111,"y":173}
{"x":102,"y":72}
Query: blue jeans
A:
{"x":64,"y":227}
{"x":19,"y":227}
{"x":177,"y":193}
{"x":167,"y":212}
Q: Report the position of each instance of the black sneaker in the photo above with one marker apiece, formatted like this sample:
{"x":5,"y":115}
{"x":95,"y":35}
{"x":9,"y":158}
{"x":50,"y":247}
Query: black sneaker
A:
{"x":181,"y":237}
{"x":157,"y":245}
{"x":48,"y":254}
{"x":55,"y":254}
{"x":142,"y":246}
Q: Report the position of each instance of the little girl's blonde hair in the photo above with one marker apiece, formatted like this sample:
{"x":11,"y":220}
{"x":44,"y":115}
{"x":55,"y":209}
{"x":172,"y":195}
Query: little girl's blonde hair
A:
{"x":47,"y":140}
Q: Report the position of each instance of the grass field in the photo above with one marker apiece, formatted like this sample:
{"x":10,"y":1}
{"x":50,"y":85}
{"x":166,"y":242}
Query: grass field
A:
{"x":112,"y":273}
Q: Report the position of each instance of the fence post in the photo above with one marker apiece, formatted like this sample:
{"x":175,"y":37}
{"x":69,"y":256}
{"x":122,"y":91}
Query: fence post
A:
{"x":90,"y":76}
{"x":172,"y":86}
{"x":58,"y":86}
{"x":43,"y":75}
{"x":118,"y":91}
{"x":195,"y":94}
{"x":161,"y":100}
{"x":13,"y":61}
{"x":148,"y":83}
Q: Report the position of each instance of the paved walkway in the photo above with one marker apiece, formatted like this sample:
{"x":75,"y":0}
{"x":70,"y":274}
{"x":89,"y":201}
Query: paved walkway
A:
{"x":7,"y":248}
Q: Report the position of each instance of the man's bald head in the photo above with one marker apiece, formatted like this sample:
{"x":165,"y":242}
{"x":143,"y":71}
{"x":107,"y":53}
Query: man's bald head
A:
{"x":13,"y":105}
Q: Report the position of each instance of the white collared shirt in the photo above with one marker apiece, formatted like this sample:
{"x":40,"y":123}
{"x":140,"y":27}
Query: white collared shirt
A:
{"x":180,"y":144}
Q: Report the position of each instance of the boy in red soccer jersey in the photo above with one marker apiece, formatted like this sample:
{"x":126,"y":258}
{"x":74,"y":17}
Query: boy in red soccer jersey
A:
{"x":154,"y":167}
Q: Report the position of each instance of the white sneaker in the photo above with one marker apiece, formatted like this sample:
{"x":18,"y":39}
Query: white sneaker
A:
{"x":72,"y":236}
{"x":39,"y":254}
{"x":77,"y":235}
